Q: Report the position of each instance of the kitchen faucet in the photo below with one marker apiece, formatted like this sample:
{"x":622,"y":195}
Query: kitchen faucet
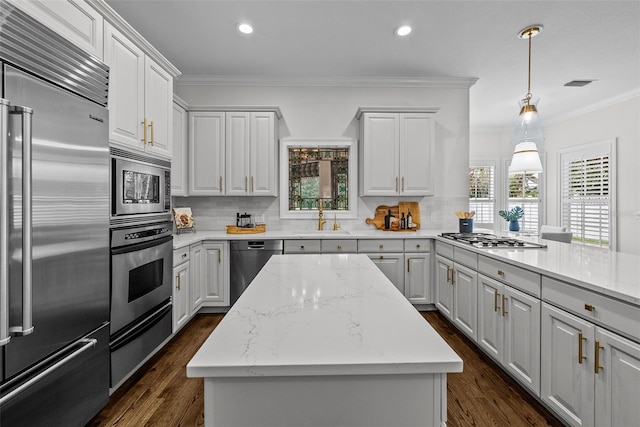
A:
{"x":321,"y":221}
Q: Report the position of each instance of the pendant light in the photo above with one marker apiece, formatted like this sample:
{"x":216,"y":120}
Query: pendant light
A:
{"x":528,"y":128}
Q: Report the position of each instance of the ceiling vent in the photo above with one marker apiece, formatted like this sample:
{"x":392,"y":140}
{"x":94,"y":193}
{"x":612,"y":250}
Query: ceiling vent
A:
{"x":578,"y":83}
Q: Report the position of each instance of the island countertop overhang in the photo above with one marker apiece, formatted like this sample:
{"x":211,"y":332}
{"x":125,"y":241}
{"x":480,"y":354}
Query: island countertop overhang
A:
{"x":311,"y":315}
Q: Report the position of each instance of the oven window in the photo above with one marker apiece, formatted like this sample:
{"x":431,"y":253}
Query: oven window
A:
{"x":140,"y":188}
{"x":145,"y":279}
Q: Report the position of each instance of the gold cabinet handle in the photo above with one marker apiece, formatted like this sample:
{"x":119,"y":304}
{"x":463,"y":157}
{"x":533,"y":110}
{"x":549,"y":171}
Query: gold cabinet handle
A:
{"x":448,"y":274}
{"x":152,"y":138}
{"x":396,"y":184}
{"x":597,"y":357}
{"x":403,"y":184}
{"x":144,"y":130}
{"x":381,"y":246}
{"x":408,"y":265}
{"x":339,"y":247}
{"x":504,"y":305}
{"x":178,"y":282}
{"x":245,"y":184}
{"x":495,"y":300}
{"x":221,"y":183}
{"x":500,"y":273}
{"x":589,"y":307}
{"x":453,"y":276}
{"x":252,"y":186}
{"x":219,"y":256}
{"x":580,"y":356}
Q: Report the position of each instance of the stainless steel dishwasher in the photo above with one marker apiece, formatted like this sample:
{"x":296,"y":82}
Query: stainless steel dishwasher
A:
{"x":247,"y":258}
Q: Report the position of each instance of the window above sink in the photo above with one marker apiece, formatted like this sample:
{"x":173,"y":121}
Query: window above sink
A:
{"x":314,"y":172}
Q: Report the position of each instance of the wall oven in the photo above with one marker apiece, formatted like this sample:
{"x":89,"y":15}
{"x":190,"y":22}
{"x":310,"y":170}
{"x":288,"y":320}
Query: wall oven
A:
{"x":141,"y":185}
{"x":141,"y":263}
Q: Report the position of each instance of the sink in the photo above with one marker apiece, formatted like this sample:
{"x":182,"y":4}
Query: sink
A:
{"x":321,"y":233}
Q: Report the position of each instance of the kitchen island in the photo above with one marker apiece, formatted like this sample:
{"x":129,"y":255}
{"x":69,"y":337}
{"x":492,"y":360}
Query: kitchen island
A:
{"x":324,"y":340}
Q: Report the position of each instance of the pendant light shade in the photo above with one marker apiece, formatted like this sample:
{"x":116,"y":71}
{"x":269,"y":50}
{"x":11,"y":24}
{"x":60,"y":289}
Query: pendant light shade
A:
{"x":525,"y":158}
{"x":528,"y":128}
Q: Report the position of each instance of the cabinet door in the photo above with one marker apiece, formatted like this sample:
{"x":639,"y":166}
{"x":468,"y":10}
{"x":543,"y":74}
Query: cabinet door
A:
{"x":521,"y":357}
{"x":206,"y":153}
{"x":417,"y":278}
{"x":181,"y":309}
{"x":179,"y":167}
{"x":216,"y":281}
{"x":617,"y":378}
{"x":380,"y":154}
{"x":263,"y":171}
{"x":158,"y":95}
{"x":490,"y":324}
{"x":196,"y":259}
{"x":126,"y":88}
{"x":416,"y":147}
{"x":567,"y":379}
{"x":392,"y":265}
{"x":74,"y":20}
{"x":444,"y":287}
{"x":237,"y":149}
{"x":465,"y":294}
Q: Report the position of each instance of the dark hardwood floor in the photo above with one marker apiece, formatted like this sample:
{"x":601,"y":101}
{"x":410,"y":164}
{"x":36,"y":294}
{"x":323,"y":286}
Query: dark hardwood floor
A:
{"x":160,"y":394}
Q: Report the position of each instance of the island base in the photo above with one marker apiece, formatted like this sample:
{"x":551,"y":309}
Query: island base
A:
{"x":349,"y":400}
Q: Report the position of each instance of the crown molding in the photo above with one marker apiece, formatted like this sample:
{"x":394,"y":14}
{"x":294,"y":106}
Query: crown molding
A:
{"x":431,"y":82}
{"x":634,"y":93}
{"x":401,"y":109}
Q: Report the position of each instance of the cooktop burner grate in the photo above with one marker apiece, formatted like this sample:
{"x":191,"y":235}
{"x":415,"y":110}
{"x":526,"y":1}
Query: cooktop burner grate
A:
{"x":489,"y":241}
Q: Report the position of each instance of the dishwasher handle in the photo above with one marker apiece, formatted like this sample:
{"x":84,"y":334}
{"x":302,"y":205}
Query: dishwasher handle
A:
{"x":255,"y":244}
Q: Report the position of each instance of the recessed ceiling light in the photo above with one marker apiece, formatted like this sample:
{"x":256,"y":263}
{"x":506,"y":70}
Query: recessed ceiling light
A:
{"x":403,"y":30}
{"x":245,"y":28}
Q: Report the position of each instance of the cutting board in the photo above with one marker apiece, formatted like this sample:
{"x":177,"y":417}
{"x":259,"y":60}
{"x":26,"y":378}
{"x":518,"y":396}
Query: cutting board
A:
{"x":396,"y":211}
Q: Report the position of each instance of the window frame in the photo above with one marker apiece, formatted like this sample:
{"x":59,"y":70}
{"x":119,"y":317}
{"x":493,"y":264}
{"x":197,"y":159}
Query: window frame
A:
{"x":494,"y":162}
{"x":593,"y":149}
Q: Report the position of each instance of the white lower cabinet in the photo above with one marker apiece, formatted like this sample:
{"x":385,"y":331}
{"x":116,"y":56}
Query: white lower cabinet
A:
{"x":197,"y":277}
{"x":444,"y":287}
{"x":181,"y":288}
{"x":216,"y":274}
{"x":417,"y":275}
{"x":392,"y":265}
{"x":465,"y":305}
{"x":590,"y":376}
{"x":509,"y":330}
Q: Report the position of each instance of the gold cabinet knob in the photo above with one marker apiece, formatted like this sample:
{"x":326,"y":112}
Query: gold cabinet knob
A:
{"x":381,"y":246}
{"x":500,"y":273}
{"x":589,"y":307}
{"x":339,"y":246}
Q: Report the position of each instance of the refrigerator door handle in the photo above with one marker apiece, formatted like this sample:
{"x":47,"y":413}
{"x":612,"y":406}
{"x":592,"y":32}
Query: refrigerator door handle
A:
{"x":87,"y":344}
{"x":4,"y":222}
{"x":27,"y":251}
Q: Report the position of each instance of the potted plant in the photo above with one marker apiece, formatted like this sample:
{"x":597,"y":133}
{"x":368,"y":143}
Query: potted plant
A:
{"x":512,"y":216}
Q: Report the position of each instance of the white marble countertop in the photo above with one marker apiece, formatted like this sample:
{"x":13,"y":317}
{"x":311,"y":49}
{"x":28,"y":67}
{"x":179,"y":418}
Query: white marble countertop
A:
{"x":322,"y":315}
{"x":614,"y":274}
{"x":188,"y":238}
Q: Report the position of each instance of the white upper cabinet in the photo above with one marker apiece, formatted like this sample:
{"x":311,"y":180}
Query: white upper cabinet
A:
{"x":179,"y":165}
{"x":140,"y":97}
{"x":75,"y":20}
{"x":251,"y":154}
{"x":206,"y":153}
{"x":232,"y":153}
{"x":397,"y":151}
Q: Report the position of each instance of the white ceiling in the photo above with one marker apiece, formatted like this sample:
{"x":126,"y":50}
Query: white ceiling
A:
{"x":315,"y":42}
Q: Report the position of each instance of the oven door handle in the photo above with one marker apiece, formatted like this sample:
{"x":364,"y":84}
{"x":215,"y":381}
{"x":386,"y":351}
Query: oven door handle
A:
{"x":140,"y":246}
{"x":125,"y":337}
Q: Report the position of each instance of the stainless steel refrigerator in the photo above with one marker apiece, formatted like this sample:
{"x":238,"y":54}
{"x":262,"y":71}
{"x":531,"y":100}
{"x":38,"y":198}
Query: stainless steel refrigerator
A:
{"x":54,"y":227}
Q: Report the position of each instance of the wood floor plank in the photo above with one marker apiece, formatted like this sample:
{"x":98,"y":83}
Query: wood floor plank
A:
{"x":160,"y":394}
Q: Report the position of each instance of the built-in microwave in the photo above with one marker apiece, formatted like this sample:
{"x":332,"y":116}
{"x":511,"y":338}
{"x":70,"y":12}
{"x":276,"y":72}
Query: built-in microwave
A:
{"x":139,"y":184}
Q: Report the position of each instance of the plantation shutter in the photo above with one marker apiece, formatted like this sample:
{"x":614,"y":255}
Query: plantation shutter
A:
{"x":586,"y":197}
{"x":482,"y":197}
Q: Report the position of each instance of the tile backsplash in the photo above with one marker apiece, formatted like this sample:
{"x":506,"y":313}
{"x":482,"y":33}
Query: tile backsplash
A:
{"x":215,"y":213}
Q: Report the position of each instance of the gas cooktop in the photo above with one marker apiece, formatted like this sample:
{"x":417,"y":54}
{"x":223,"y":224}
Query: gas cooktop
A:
{"x":490,"y":241}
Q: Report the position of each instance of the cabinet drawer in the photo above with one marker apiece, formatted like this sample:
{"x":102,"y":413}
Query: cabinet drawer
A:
{"x":519,"y":278}
{"x":337,"y":246}
{"x":302,"y":246}
{"x":380,"y":245}
{"x":598,"y":308}
{"x":417,"y":245}
{"x":180,"y":255}
{"x":465,"y":257}
{"x":444,"y":249}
